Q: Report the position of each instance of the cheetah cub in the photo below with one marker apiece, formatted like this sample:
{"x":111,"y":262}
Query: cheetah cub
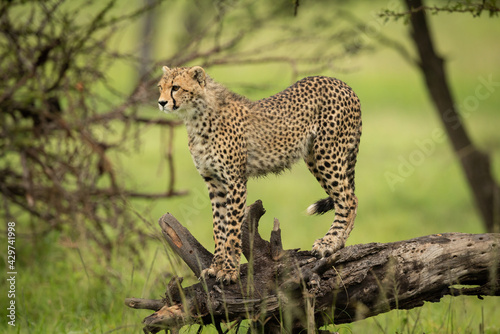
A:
{"x":232,"y":138}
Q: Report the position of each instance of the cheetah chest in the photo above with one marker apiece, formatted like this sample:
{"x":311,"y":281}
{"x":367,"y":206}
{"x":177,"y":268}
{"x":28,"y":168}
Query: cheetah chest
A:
{"x":203,"y":155}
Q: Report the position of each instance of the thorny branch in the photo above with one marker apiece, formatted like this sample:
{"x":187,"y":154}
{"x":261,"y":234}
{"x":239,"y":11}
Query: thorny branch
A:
{"x":57,"y":135}
{"x":476,"y":9}
{"x":62,"y":121}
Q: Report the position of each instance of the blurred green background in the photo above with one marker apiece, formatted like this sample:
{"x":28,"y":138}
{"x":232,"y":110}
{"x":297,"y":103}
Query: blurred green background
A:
{"x":63,"y":289}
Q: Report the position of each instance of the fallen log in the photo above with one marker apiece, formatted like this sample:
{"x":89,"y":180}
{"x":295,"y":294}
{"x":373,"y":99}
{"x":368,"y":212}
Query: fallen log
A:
{"x":293,"y":290}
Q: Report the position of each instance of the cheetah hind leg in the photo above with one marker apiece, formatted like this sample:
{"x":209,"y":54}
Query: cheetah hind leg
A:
{"x":336,"y":237}
{"x":342,"y":200}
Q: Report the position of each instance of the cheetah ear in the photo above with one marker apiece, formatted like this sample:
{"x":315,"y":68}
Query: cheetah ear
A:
{"x":198,"y":73}
{"x":166,"y":70}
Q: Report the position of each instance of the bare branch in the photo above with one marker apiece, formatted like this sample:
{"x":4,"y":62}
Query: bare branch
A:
{"x":475,"y":9}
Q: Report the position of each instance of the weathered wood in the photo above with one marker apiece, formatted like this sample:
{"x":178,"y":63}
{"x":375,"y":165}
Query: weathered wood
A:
{"x":293,"y":289}
{"x":144,"y":304}
{"x":275,"y":241}
{"x":252,"y":243}
{"x":184,"y":244}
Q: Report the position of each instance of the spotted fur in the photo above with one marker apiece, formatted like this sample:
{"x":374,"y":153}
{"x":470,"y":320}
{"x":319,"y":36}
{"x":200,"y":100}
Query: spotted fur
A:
{"x":231,"y":138}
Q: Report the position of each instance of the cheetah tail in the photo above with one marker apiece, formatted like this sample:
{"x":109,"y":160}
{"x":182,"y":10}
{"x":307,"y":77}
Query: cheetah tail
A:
{"x":320,"y":207}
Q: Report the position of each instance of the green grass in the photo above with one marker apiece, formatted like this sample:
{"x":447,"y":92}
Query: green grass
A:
{"x":62,"y":288}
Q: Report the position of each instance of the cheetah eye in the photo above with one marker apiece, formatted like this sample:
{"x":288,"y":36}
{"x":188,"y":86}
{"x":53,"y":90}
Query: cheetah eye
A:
{"x":159,"y":87}
{"x":175,"y":88}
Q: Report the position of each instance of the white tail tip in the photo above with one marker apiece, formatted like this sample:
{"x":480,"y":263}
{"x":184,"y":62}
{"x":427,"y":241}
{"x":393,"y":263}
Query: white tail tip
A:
{"x":311,"y":210}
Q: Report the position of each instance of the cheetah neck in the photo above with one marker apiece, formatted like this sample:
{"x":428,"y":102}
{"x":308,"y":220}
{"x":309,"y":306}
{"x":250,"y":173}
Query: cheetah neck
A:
{"x":215,"y":106}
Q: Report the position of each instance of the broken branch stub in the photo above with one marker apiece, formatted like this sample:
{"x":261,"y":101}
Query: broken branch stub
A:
{"x":184,"y":244}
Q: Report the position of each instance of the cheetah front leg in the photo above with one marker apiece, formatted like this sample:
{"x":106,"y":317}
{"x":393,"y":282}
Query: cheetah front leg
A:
{"x":217,"y":192}
{"x":236,"y":212}
{"x":228,"y":209}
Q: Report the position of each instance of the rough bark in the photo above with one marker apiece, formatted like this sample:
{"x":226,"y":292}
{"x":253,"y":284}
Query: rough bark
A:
{"x":294,"y":290}
{"x":475,"y":164}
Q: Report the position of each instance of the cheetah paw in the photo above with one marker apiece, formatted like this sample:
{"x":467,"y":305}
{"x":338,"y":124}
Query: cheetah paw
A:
{"x":227,"y":276}
{"x":207,"y":273}
{"x":211,"y":271}
{"x":325,"y":247}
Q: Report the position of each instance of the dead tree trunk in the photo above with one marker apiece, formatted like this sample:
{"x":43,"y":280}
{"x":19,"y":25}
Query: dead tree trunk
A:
{"x":291,"y":289}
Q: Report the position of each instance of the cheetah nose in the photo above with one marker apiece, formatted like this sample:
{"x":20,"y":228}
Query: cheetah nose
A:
{"x":162,"y":103}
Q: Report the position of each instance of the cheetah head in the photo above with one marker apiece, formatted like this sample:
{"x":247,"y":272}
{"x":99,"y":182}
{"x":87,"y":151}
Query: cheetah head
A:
{"x":179,"y":89}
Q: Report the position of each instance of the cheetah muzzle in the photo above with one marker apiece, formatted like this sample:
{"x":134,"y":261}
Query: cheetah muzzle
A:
{"x":317,"y":119}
